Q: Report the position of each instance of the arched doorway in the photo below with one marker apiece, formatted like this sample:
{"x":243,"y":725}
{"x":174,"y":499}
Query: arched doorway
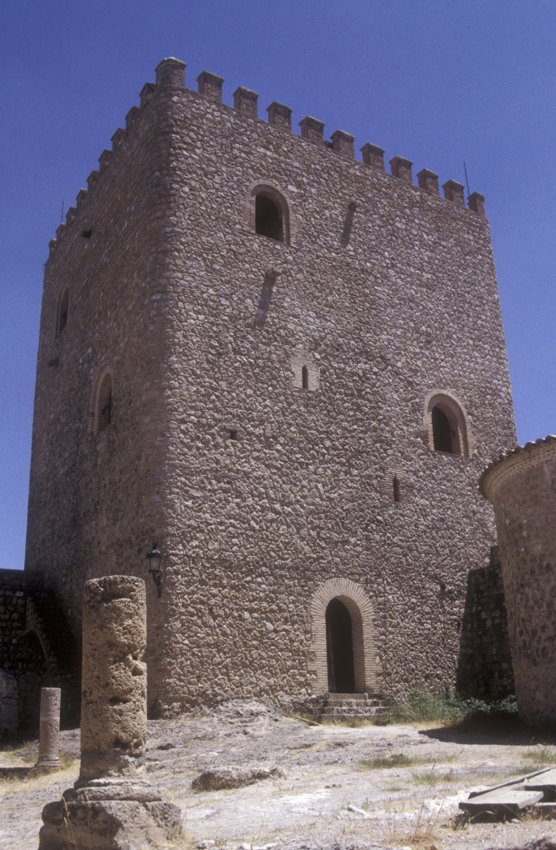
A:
{"x":339,"y":648}
{"x":365,"y":664}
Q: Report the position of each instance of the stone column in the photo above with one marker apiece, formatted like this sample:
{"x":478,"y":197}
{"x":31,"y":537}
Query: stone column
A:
{"x":112,"y":805}
{"x":114,"y":678}
{"x":522,"y":487}
{"x":49,"y":735}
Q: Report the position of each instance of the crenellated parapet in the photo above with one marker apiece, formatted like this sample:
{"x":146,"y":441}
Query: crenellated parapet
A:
{"x":170,"y":78}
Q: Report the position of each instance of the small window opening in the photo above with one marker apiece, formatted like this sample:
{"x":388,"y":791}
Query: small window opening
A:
{"x":63,"y":311}
{"x":444,"y":435}
{"x":268,"y":218}
{"x":305,"y":378}
{"x":104,"y":417}
{"x":396,"y":488}
{"x":446,"y":428}
{"x":233,"y":434}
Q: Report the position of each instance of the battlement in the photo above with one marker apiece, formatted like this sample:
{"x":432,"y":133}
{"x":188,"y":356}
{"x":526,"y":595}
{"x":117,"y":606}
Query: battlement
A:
{"x":170,"y":78}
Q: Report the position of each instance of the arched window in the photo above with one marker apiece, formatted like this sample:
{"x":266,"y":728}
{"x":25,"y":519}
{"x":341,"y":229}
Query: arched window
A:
{"x":270,"y":216}
{"x":444,"y":435}
{"x":102,"y":406}
{"x":446,"y":425}
{"x":63,"y":311}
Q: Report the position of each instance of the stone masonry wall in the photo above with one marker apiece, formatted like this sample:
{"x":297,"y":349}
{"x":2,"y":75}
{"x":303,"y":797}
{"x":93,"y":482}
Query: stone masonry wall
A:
{"x":95,"y":498}
{"x":259,"y":492}
{"x":304,"y":495}
{"x":485,"y":667}
{"x":30,"y":656}
{"x":522,"y":488}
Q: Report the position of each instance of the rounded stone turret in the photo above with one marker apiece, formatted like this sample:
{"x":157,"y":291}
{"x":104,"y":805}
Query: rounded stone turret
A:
{"x":522,"y":487}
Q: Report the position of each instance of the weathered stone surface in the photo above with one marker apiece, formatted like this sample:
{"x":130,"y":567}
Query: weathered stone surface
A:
{"x":234,"y":777}
{"x":485,"y":664}
{"x":49,"y":737}
{"x":112,"y":807}
{"x":80,"y":821}
{"x":522,"y":488}
{"x":545,"y":811}
{"x":36,"y":650}
{"x":267,"y":488}
{"x":8,"y":704}
{"x":545,"y":780}
{"x":501,"y":803}
{"x":113,"y":713}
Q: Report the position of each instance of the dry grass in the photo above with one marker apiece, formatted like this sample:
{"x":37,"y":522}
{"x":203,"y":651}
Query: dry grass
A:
{"x":539,"y":757}
{"x":392,"y":760}
{"x":434,"y":777}
{"x":420,"y":829}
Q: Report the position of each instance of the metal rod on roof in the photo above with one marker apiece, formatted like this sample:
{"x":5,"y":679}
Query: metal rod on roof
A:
{"x":466,"y":178}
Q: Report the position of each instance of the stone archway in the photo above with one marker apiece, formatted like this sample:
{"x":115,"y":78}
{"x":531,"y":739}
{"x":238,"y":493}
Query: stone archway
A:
{"x":350,"y":621}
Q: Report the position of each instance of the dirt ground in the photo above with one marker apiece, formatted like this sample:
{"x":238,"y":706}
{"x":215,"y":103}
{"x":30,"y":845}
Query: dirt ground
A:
{"x":363,"y":787}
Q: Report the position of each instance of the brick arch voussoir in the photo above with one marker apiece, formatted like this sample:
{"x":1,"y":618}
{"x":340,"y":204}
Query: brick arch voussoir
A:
{"x":351,"y":594}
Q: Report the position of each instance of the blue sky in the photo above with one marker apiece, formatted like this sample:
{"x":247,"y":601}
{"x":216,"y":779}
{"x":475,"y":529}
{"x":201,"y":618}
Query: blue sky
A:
{"x":436,"y":81}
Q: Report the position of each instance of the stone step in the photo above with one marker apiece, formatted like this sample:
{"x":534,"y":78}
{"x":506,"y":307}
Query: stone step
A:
{"x":545,"y":782}
{"x":545,"y":811}
{"x":535,"y":792}
{"x":363,"y":697}
{"x":347,"y":709}
{"x":504,"y":802}
{"x":335,"y":706}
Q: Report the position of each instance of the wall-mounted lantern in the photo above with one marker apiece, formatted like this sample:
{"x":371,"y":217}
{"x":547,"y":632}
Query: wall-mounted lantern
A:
{"x":154,"y":557}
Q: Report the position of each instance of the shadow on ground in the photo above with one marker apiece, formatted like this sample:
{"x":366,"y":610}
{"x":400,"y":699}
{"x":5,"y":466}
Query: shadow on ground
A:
{"x":492,"y":729}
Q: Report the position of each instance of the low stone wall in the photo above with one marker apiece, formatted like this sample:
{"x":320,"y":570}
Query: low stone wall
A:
{"x":485,"y":666}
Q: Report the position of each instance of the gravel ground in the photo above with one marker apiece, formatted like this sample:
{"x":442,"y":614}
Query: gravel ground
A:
{"x":327,"y":792}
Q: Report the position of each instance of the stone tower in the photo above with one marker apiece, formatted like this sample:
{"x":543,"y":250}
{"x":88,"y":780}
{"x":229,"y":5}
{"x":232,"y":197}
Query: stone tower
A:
{"x":286,"y":368}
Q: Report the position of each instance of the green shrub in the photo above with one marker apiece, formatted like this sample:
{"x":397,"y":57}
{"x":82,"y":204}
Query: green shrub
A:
{"x":424,"y":707}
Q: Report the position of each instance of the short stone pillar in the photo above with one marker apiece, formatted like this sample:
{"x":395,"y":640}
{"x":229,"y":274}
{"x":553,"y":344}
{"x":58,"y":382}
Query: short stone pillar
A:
{"x":522,"y":487}
{"x":49,"y":731}
{"x":112,"y":805}
{"x":8,"y":704}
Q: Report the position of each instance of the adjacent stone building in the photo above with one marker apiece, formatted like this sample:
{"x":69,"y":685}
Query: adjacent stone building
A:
{"x":36,"y":650}
{"x":285,"y":368}
{"x":521,"y":485}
